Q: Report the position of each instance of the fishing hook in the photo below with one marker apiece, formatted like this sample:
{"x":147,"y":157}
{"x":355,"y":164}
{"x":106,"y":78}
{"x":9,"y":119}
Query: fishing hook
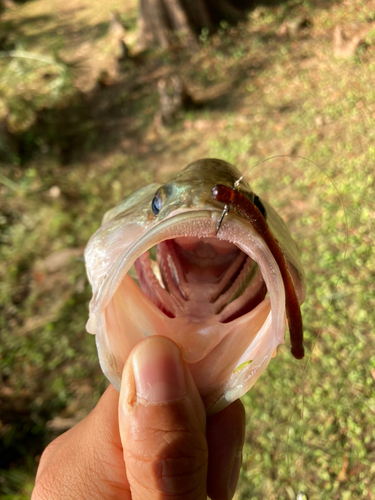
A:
{"x":226,"y":207}
{"x":225,"y":211}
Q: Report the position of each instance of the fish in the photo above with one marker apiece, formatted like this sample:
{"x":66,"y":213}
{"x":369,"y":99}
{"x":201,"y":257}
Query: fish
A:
{"x":203,"y":261}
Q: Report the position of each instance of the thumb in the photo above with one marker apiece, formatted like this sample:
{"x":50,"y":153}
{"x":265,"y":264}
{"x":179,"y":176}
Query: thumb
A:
{"x":162,"y":425}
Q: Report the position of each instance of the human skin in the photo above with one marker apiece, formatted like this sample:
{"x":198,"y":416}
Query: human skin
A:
{"x":150,"y":442}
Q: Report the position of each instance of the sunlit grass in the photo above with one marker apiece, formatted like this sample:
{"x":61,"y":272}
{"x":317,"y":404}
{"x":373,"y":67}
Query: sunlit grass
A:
{"x":310,"y":423}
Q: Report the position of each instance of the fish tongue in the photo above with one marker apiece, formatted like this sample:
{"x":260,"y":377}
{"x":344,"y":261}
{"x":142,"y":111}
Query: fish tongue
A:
{"x":193,"y":274}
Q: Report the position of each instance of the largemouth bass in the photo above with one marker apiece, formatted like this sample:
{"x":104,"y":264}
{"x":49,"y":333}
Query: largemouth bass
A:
{"x":217,"y":286}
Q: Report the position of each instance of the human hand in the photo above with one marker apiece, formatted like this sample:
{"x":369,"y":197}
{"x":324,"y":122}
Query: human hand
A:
{"x":150,"y":442}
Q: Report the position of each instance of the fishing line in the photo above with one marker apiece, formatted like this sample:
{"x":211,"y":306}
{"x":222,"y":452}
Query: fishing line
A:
{"x":324,"y":319}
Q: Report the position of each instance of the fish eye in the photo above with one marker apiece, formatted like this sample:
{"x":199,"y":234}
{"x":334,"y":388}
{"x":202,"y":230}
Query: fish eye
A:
{"x":162,"y":195}
{"x":157,"y":203}
{"x":260,"y":206}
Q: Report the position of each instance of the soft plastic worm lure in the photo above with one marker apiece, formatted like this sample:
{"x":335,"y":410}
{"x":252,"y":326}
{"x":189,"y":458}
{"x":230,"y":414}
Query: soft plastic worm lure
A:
{"x":245,"y":207}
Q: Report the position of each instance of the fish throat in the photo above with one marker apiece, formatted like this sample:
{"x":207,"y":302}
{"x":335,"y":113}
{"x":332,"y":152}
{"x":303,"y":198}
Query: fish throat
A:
{"x":198,"y":278}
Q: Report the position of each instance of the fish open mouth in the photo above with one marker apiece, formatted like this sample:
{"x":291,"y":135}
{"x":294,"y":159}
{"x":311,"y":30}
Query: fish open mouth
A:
{"x":199,"y":277}
{"x":220,"y":298}
{"x":219,"y":295}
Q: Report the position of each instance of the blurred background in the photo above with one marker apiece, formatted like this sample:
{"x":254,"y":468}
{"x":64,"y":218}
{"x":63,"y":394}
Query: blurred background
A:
{"x":100,"y":98}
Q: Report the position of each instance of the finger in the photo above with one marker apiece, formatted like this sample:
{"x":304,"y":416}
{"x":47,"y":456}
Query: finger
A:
{"x":162,"y":425}
{"x":225,"y":438}
{"x":87,"y":461}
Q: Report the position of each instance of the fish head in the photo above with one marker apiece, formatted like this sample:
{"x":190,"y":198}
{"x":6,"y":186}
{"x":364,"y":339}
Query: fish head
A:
{"x":160,"y":266}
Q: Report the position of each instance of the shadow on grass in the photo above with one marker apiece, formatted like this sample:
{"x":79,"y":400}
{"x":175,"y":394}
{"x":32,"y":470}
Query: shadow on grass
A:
{"x":68,"y":33}
{"x":100,"y":120}
{"x":52,"y":31}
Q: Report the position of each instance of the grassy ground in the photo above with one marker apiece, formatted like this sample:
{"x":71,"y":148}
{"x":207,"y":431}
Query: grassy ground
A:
{"x":73,"y":148}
